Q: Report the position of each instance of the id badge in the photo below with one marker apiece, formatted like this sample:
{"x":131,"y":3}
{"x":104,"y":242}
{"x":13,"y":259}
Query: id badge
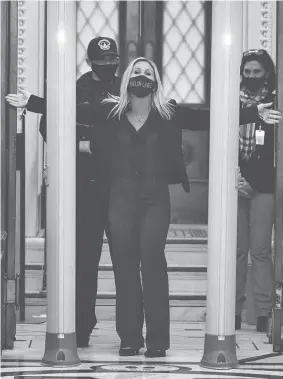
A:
{"x":84,"y":147}
{"x":259,"y":137}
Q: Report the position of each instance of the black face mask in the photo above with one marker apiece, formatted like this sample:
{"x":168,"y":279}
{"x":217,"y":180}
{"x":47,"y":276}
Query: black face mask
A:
{"x":141,"y":86}
{"x":253,"y":84}
{"x":105,"y":72}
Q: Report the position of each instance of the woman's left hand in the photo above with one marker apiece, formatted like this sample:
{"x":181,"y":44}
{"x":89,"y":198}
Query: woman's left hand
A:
{"x":240,"y":179}
{"x":246,"y":190}
{"x":269,"y":116}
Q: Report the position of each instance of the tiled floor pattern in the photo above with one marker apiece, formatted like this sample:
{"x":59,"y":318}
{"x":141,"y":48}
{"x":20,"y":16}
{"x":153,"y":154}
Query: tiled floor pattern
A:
{"x":101,"y":359}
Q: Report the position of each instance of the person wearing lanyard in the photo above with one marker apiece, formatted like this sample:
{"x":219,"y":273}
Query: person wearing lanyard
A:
{"x":142,"y":150}
{"x":92,"y":195}
{"x":257,"y":193}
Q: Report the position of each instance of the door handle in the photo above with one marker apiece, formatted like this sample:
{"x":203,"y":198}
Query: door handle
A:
{"x":17,"y":291}
{"x":12,"y":291}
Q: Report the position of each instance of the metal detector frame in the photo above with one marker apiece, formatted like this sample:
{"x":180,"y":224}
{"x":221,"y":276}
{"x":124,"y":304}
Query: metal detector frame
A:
{"x":274,"y":332}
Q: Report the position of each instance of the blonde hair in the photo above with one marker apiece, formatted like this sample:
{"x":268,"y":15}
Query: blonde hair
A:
{"x":162,"y":105}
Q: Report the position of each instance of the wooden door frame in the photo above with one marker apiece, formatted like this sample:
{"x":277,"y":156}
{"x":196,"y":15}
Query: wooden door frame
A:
{"x":3,"y":213}
{"x":129,"y":32}
{"x":152,"y":27}
{"x":278,"y":216}
{"x":144,"y":32}
{"x":9,"y":62}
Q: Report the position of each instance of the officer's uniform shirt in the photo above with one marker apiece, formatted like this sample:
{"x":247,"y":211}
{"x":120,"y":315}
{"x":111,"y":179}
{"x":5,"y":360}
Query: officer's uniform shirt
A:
{"x":92,"y":92}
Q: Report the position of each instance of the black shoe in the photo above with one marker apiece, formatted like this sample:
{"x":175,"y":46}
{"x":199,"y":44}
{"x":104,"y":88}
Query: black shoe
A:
{"x":128,"y":352}
{"x":238,"y":322}
{"x":83,"y":340}
{"x":262,"y":324}
{"x":155,"y":353}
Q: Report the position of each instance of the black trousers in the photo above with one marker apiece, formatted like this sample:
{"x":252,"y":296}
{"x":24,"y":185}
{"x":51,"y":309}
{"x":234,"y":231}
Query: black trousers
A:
{"x":92,"y":210}
{"x":139,"y":218}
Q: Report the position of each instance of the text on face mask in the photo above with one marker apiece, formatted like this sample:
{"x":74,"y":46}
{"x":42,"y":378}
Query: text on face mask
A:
{"x":140,"y":84}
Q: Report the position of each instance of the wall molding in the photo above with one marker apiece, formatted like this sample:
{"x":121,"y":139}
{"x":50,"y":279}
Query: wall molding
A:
{"x":266,"y":16}
{"x":22,"y":48}
{"x":22,"y":52}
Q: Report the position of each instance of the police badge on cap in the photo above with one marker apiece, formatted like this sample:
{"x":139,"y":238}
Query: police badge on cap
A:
{"x":104,"y":44}
{"x":101,"y":46}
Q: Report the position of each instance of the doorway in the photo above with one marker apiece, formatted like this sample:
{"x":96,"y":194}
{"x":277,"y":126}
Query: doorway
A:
{"x":176,"y":36}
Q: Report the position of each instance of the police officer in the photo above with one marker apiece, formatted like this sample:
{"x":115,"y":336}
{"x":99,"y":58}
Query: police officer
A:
{"x":92,"y":191}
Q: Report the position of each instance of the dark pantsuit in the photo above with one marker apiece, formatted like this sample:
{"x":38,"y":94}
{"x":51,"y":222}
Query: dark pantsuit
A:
{"x":139,"y":216}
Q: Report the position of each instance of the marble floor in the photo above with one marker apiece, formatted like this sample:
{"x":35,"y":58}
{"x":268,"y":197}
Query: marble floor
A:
{"x":101,"y":359}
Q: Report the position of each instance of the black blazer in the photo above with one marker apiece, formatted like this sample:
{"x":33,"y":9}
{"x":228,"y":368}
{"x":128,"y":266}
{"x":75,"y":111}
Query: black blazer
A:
{"x":184,"y":118}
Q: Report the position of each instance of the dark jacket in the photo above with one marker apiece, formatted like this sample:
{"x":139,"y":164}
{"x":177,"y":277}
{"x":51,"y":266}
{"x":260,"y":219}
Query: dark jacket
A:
{"x":87,"y":91}
{"x":184,"y":118}
{"x":259,"y":170}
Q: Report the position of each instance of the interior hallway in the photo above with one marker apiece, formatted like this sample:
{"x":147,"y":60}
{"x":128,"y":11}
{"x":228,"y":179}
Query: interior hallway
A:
{"x":101,"y":359}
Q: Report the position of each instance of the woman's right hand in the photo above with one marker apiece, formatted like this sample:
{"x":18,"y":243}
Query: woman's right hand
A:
{"x":19,"y":100}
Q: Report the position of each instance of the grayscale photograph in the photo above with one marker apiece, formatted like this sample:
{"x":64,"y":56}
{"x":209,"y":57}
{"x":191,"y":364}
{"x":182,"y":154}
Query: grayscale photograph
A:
{"x":141,"y":189}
